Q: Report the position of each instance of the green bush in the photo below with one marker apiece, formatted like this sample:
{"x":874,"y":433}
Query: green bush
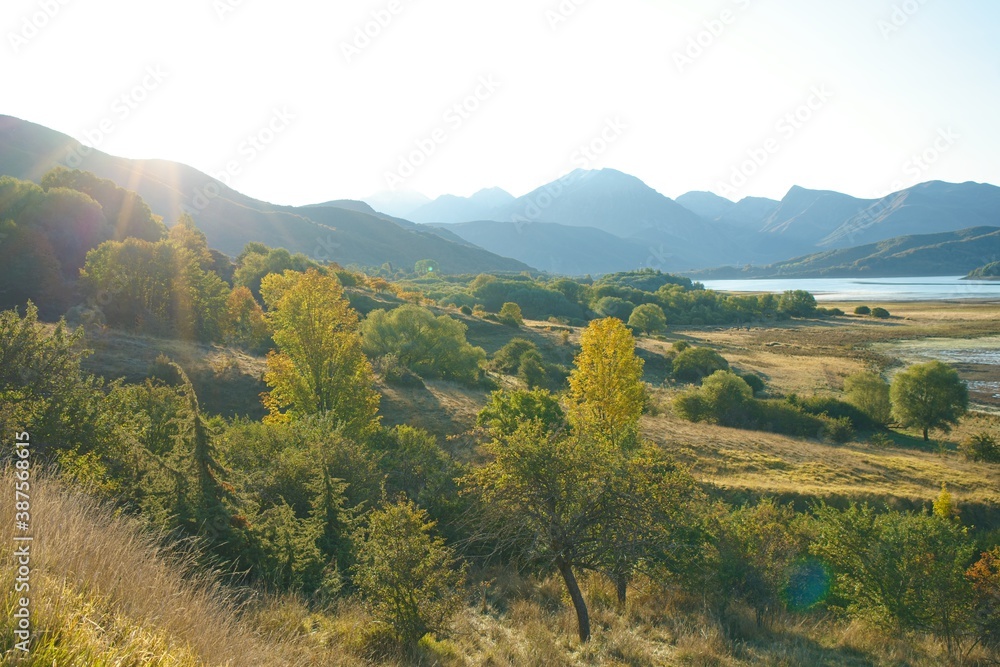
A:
{"x":755,"y":381}
{"x":531,"y":370}
{"x":728,"y":399}
{"x":862,"y":310}
{"x":648,"y":318}
{"x":408,"y":577}
{"x":507,"y":410}
{"x":981,"y":447}
{"x":691,"y":406}
{"x":508,"y":358}
{"x":465,"y":310}
{"x":869,"y":393}
{"x":837,"y":429}
{"x":680,"y":345}
{"x":510,"y":314}
{"x":780,"y":416}
{"x":837,"y":409}
{"x":395,"y":373}
{"x":695,"y":363}
{"x":429,"y":346}
{"x":882,"y":572}
{"x":613,"y":306}
{"x":880,"y":313}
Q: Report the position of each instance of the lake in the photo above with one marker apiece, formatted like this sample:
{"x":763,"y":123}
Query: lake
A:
{"x":869,"y":289}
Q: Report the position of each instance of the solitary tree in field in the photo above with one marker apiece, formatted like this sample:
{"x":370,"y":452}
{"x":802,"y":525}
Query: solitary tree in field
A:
{"x":319,"y":367}
{"x":927,"y":396}
{"x":606,"y":393}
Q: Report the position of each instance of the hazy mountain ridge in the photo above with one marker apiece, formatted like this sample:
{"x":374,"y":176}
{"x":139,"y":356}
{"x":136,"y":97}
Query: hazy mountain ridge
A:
{"x":342,"y":231}
{"x":943,"y":254}
{"x":594,"y":221}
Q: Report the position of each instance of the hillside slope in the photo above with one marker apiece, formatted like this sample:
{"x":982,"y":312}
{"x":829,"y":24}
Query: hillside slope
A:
{"x":343,"y":232}
{"x":945,"y":254}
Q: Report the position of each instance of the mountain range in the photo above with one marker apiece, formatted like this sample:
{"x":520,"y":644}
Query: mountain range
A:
{"x":347,"y":232}
{"x":600,"y":221}
{"x":940,"y":254}
{"x":588,"y":221}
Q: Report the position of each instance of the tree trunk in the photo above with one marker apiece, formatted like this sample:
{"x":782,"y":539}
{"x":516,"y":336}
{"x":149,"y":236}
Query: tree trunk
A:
{"x":582,"y":617}
{"x":621,"y":586}
{"x":925,"y":435}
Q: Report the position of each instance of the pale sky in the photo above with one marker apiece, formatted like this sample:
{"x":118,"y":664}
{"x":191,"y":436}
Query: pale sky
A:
{"x":686,"y":95}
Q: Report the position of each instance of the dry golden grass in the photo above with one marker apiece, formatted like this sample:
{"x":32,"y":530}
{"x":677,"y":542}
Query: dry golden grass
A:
{"x":104,"y":591}
{"x":768,"y":463}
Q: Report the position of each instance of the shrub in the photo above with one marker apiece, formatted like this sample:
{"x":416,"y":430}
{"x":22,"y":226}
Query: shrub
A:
{"x":691,"y":406}
{"x":780,"y":416}
{"x":880,"y":313}
{"x":508,"y":358}
{"x":728,"y":399}
{"x":981,"y":447}
{"x":880,"y":440}
{"x":429,"y":346}
{"x":984,"y":575}
{"x":837,"y":409}
{"x":869,"y":393}
{"x":680,"y":345}
{"x":614,"y":306}
{"x":838,"y":429}
{"x":531,"y":370}
{"x":408,"y":577}
{"x":755,"y":382}
{"x":882,"y":572}
{"x":510,"y":314}
{"x":695,"y":363}
{"x":648,"y":318}
{"x":756,"y":550}
{"x":507,"y":410}
{"x":465,"y":310}
{"x":395,"y":373}
{"x":862,"y":310}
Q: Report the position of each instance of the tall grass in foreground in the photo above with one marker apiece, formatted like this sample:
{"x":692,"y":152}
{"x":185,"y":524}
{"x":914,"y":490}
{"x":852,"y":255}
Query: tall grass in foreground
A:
{"x":105,"y":591}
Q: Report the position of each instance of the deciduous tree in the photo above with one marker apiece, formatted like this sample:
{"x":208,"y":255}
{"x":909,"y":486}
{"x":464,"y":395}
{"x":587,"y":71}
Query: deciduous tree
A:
{"x":928,"y":396}
{"x":319,"y":366}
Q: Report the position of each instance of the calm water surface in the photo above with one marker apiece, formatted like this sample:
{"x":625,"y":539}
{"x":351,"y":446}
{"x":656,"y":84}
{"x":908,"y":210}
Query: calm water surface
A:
{"x":870,"y":289}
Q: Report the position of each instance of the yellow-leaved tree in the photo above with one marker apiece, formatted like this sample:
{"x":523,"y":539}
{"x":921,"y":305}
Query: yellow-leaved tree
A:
{"x":319,"y":367}
{"x":606,"y":393}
